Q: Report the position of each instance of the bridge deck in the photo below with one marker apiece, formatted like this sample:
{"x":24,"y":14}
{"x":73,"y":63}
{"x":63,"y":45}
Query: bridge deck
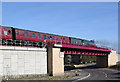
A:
{"x":84,"y":50}
{"x":85,"y":47}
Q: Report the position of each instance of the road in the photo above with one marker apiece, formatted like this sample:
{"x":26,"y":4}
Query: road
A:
{"x":92,"y":73}
{"x":101,"y":74}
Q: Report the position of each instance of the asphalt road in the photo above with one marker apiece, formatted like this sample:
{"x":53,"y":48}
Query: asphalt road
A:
{"x":92,"y":73}
{"x":102,"y":74}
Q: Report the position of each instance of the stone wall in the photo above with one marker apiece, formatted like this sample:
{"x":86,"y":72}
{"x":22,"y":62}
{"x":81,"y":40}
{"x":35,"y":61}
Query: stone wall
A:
{"x":22,"y":61}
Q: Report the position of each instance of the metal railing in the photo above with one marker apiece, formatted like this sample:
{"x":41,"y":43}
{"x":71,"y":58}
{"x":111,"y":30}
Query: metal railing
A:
{"x":9,"y":42}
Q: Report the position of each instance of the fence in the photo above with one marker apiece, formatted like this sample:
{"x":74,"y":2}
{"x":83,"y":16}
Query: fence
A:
{"x":9,"y":42}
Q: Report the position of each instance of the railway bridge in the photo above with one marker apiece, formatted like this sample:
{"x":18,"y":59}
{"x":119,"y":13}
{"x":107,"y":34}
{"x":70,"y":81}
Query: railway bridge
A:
{"x":57,"y":54}
{"x":24,"y":52}
{"x":25,"y":60}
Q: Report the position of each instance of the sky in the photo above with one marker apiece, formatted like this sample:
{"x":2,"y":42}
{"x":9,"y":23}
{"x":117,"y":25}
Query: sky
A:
{"x":87,"y":20}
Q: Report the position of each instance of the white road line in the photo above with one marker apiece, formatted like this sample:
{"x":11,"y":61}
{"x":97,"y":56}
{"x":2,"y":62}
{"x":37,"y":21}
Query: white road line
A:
{"x":85,"y":77}
{"x":105,"y":74}
{"x":79,"y":70}
{"x":82,"y":78}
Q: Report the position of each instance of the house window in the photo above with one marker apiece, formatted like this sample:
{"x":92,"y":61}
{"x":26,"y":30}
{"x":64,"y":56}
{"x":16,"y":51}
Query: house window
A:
{"x":33,"y":35}
{"x":44,"y":36}
{"x":5,"y":32}
{"x":38,"y":36}
{"x":26,"y":34}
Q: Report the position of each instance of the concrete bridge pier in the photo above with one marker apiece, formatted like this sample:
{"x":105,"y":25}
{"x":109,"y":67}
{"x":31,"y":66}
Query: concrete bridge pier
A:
{"x":55,"y":61}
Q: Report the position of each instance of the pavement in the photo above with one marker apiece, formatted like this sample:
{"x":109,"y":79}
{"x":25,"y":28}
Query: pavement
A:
{"x":90,"y":72}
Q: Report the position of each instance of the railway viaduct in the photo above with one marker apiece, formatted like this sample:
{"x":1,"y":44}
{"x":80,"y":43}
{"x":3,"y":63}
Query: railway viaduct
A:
{"x":16,"y":61}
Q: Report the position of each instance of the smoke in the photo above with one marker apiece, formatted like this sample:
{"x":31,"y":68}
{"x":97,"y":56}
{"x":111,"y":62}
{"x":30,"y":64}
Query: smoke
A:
{"x":107,"y":44}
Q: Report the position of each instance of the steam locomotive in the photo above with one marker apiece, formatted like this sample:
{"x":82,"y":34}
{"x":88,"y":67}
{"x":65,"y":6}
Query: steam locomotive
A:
{"x":15,"y":36}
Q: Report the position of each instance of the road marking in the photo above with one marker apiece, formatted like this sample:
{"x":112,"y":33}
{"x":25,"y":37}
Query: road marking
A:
{"x":72,"y":70}
{"x":79,"y":70}
{"x":105,"y":74}
{"x":82,"y":78}
{"x":76,"y":70}
{"x":85,"y":77}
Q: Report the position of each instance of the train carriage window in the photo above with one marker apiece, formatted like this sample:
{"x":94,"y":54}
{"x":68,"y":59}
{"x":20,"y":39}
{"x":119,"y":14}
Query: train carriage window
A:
{"x":48,"y":37}
{"x":61,"y":38}
{"x":57,"y":38}
{"x":44,"y":37}
{"x":53,"y":38}
{"x":5,"y":32}
{"x":26,"y":34}
{"x":80,"y":42}
{"x":72,"y":42}
{"x":33,"y":35}
{"x":9,"y":32}
{"x":38,"y":36}
{"x":0,"y":31}
{"x":17,"y":33}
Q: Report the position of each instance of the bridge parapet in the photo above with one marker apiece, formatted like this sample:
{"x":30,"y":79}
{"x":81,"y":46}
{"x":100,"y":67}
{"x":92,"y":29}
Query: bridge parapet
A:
{"x":21,"y":48}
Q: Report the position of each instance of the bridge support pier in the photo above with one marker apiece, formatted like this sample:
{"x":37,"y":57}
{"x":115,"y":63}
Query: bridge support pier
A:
{"x":55,"y":62}
{"x":112,"y":58}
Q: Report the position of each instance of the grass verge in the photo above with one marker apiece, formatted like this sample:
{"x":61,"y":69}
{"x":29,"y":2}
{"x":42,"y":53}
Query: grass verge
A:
{"x":47,"y":77}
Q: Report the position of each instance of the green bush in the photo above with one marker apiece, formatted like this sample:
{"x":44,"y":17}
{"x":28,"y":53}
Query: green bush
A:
{"x":88,"y":59}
